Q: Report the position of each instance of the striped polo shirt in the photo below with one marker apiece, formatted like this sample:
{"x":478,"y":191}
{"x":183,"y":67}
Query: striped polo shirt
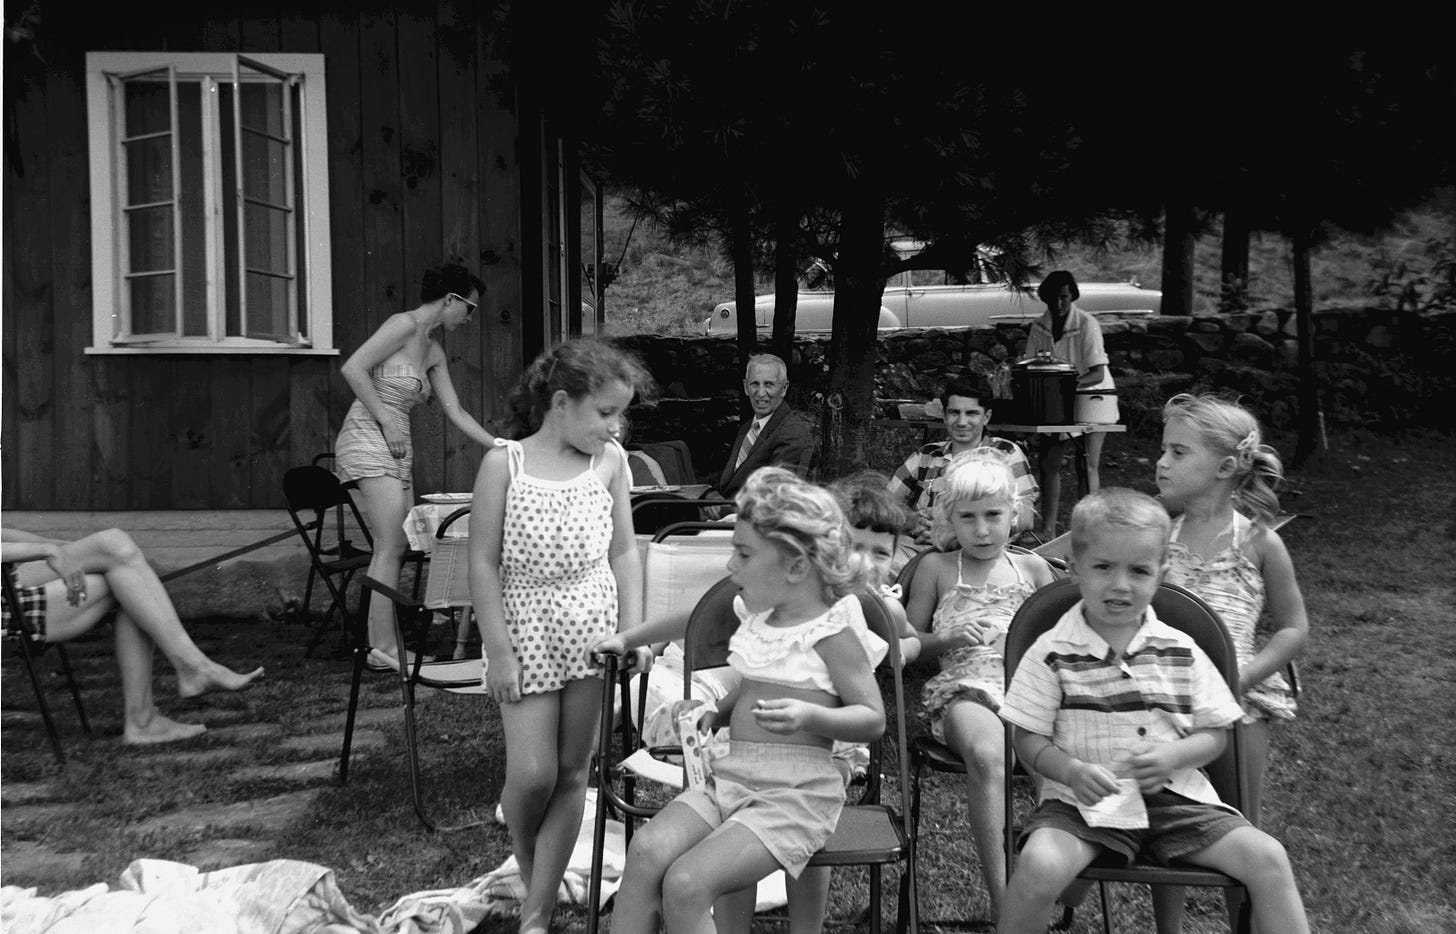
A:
{"x":1094,"y":705}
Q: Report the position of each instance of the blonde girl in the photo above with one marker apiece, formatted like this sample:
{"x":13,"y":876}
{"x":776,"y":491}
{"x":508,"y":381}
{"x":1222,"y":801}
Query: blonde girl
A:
{"x":962,"y":602}
{"x":803,"y":657}
{"x":1218,"y":477}
{"x":554,"y":568}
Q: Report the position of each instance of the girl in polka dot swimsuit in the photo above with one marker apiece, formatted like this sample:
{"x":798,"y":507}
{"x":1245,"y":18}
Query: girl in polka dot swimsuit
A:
{"x":553,"y":569}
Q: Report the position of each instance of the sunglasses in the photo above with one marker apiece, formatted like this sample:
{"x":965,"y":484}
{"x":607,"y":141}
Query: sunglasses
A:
{"x":462,"y":298}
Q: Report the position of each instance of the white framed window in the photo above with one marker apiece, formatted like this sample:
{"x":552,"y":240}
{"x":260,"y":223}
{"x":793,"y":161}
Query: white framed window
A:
{"x":209,"y":203}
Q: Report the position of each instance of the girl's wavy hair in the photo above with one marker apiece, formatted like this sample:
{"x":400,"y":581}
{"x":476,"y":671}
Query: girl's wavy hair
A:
{"x":1230,"y":430}
{"x":802,"y":519}
{"x":578,"y":368}
{"x":975,"y":474}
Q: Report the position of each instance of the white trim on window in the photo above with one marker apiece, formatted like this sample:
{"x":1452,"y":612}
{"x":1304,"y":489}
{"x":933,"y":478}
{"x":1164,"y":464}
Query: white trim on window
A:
{"x":305,"y":271}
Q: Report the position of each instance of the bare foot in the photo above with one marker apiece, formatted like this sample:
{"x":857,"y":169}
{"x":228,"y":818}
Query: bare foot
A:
{"x":159,"y":729}
{"x":214,"y":677}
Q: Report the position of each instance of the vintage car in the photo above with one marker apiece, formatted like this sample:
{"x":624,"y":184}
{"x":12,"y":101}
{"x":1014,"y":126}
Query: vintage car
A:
{"x":928,"y":299}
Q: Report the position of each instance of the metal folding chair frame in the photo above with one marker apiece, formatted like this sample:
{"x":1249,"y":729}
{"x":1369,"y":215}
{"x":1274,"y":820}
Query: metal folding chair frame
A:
{"x":30,"y":657}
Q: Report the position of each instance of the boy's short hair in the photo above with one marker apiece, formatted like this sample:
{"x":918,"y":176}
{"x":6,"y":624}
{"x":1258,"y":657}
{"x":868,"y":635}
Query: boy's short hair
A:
{"x":865,"y":497}
{"x":1118,"y":508}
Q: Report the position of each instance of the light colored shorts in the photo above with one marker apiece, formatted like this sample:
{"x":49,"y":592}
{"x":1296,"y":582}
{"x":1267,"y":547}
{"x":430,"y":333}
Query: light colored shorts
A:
{"x":789,"y":796}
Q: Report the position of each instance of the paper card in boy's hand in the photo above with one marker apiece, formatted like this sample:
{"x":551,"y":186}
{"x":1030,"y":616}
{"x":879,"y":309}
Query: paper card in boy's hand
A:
{"x":1123,"y":809}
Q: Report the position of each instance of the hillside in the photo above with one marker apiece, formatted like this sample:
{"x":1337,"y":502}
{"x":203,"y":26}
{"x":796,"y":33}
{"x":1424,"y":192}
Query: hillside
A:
{"x":667,"y":288}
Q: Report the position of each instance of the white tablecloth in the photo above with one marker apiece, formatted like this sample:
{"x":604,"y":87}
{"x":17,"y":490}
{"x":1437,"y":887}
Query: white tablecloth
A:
{"x":424,"y":520}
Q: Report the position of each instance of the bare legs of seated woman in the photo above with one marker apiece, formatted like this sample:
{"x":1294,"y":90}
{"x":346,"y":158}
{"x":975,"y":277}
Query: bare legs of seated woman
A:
{"x":117,"y":575}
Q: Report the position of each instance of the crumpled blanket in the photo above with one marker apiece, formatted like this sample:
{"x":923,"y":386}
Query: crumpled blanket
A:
{"x":459,"y":910}
{"x":155,"y":896}
{"x":498,"y":892}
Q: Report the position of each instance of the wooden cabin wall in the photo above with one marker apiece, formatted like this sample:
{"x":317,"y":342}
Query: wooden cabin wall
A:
{"x":423,"y":169}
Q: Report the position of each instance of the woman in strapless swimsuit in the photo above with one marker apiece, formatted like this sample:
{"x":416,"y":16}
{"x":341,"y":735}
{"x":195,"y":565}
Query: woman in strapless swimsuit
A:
{"x":397,"y":368}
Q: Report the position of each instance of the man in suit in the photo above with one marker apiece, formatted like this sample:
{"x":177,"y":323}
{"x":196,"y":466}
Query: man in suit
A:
{"x":775,"y":436}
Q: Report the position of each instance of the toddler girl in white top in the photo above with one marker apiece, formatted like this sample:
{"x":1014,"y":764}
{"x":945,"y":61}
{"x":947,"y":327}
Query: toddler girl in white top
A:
{"x":806,"y":680}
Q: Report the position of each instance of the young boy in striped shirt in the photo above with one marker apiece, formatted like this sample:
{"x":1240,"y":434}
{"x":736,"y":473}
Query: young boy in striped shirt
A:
{"x":1117,"y":712}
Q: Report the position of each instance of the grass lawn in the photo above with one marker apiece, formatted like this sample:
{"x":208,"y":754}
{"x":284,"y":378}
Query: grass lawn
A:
{"x":1359,"y":785}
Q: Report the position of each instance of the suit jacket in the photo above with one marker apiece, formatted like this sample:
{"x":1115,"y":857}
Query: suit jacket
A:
{"x":785,"y":441}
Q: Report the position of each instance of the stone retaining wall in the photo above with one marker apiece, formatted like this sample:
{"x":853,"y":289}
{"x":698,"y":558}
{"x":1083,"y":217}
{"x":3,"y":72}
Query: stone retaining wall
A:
{"x":1375,"y":367}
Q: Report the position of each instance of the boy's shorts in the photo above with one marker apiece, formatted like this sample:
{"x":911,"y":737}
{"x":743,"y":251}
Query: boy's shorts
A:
{"x":1177,"y":826}
{"x":788,"y":795}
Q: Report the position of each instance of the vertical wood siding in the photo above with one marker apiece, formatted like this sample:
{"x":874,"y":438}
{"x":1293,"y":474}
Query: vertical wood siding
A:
{"x":423,"y":168}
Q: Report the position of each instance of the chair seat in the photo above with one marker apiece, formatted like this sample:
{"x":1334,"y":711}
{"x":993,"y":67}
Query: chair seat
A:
{"x":937,"y":755}
{"x":1175,"y":873}
{"x":866,"y":832}
{"x":458,"y":677}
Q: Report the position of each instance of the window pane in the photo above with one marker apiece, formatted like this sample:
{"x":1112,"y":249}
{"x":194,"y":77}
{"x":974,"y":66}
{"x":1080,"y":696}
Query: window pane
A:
{"x":300,"y":233}
{"x":153,"y":309}
{"x":267,"y":307}
{"x":267,"y":233}
{"x":149,"y":238}
{"x":263,"y":105}
{"x":264,"y":162}
{"x":148,"y":109}
{"x":233,"y":326}
{"x":192,"y":208}
{"x":148,"y":170}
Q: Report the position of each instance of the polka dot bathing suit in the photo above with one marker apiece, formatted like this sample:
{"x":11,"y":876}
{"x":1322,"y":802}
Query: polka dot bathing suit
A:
{"x":556,"y":578}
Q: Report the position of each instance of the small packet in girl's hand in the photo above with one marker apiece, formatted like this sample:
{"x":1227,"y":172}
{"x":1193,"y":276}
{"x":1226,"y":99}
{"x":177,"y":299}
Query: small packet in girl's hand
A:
{"x":694,"y":737}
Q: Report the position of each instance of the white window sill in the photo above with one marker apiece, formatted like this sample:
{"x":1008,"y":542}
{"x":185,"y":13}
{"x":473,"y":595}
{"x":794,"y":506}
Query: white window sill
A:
{"x":144,"y":350}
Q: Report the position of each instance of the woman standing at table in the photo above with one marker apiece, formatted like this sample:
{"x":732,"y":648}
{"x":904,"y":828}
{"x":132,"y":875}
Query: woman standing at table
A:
{"x":1071,"y":334}
{"x":393,"y":371}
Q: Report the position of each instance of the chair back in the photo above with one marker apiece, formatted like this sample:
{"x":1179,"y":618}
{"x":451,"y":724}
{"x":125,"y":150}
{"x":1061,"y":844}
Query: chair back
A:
{"x":313,"y":487}
{"x":1180,"y":608}
{"x":907,"y":573}
{"x":678,"y":569}
{"x":710,"y":625}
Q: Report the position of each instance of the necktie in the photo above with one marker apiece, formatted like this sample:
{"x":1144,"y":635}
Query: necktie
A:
{"x":748,"y":441}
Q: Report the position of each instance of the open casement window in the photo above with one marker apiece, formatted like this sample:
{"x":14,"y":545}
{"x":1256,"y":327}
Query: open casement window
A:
{"x":210,"y":203}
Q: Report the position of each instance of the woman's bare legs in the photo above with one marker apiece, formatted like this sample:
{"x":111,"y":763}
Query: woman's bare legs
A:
{"x":1094,"y":441}
{"x":1049,"y":466}
{"x":132,"y":583}
{"x":136,"y":646}
{"x":545,"y":788}
{"x":384,"y":503}
{"x":976,"y":735}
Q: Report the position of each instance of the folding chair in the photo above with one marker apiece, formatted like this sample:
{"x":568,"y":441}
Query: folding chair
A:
{"x":313,"y":489}
{"x":926,"y":752}
{"x":869,"y":832}
{"x":454,"y":677}
{"x":29,"y":656}
{"x":1185,"y":611}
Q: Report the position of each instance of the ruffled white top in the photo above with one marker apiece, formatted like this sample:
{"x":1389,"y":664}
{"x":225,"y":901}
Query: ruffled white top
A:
{"x":785,"y":654}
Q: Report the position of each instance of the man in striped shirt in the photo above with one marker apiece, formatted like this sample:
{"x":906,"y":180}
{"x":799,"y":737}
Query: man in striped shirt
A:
{"x":967,"y":404}
{"x":1117,"y":712}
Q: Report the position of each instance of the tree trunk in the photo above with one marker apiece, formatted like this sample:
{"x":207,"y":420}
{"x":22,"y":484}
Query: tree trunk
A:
{"x":1178,"y":258}
{"x":786,"y":285}
{"x":859,"y":288}
{"x":1309,"y":411}
{"x":1234,"y":268}
{"x":741,"y":249}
